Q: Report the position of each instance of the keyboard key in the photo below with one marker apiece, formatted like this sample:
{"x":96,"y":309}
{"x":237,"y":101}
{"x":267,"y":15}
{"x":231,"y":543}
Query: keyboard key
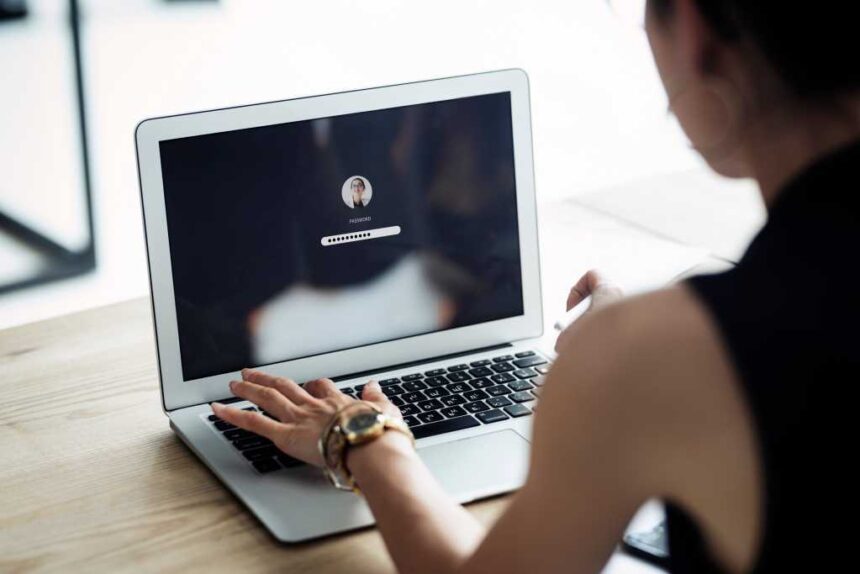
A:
{"x":224,"y":425}
{"x":524,"y":373}
{"x":447,"y":425}
{"x":359,"y":388}
{"x":522,"y":397}
{"x":520,"y":385}
{"x":435,"y":372}
{"x":213,"y":418}
{"x":542,"y":370}
{"x":481,"y":363}
{"x":502,"y":378}
{"x":431,"y":405}
{"x":236,"y":434}
{"x":451,"y":412}
{"x":411,"y":421}
{"x":415,"y":397}
{"x":472,"y":396}
{"x":437,"y":392}
{"x":397,"y":401}
{"x":538,"y":381}
{"x":266,"y":465}
{"x":529,"y":362}
{"x":348,"y":391}
{"x":476,"y":407}
{"x":386,"y":382}
{"x":518,"y":410}
{"x":459,"y":387}
{"x":457,"y":368}
{"x":430,"y":417}
{"x":252,"y":409}
{"x":414,"y":386}
{"x":480,"y":372}
{"x":503,"y":367}
{"x":492,"y":416}
{"x":412,"y":377}
{"x":453,"y":400}
{"x":436,"y":381}
{"x":262,"y":452}
{"x":524,"y":354}
{"x":392,"y":390}
{"x":251,"y":442}
{"x":407,"y":410}
{"x":498,"y":390}
{"x":458,"y":377}
{"x":287,"y":461}
{"x":503,"y":359}
{"x":498,"y":402}
{"x":481,"y":383}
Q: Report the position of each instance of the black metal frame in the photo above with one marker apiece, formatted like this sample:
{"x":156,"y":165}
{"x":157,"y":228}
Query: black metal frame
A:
{"x":63,"y":263}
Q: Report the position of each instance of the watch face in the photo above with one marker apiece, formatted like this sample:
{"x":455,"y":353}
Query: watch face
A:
{"x":361,"y":422}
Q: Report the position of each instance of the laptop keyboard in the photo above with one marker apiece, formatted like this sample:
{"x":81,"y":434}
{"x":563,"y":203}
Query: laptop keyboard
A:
{"x":433,"y":402}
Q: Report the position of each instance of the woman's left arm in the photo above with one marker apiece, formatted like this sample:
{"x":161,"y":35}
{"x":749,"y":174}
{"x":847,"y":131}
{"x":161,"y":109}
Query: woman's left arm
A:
{"x":424,"y":530}
{"x":581,"y":491}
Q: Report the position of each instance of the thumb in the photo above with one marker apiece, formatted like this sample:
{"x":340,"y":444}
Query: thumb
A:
{"x":605,"y":293}
{"x":372,"y":393}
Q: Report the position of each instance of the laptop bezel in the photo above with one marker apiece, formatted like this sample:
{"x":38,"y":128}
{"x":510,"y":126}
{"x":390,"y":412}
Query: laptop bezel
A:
{"x":179,"y":393}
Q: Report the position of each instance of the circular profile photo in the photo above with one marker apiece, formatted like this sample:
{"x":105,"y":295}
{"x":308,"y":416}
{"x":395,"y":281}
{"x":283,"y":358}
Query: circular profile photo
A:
{"x":356,"y":192}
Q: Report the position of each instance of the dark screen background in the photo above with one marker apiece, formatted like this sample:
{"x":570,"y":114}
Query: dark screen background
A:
{"x":246,"y":211}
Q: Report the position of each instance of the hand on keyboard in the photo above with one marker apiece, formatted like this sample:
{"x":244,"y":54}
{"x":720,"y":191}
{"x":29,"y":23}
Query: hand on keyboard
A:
{"x":298,"y":414}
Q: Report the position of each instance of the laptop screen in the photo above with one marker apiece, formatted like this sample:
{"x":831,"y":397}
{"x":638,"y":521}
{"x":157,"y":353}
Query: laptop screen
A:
{"x":299,"y":239}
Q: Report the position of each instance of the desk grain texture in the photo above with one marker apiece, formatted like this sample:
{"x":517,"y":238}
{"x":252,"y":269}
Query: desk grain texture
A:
{"x":93,"y":479}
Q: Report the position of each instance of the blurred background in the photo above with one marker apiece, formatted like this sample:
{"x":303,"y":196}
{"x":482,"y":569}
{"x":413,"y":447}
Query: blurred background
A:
{"x":67,"y":147}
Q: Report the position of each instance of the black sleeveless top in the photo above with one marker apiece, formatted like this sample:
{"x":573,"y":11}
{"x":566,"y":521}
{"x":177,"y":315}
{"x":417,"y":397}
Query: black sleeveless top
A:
{"x":789,"y":315}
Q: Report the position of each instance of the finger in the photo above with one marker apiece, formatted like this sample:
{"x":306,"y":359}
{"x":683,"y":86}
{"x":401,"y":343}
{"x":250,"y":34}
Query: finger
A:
{"x":583,"y":288}
{"x":322,"y":388}
{"x":251,"y":421}
{"x":285,"y":386}
{"x":372,"y":393}
{"x":604,"y":294}
{"x":268,"y":398}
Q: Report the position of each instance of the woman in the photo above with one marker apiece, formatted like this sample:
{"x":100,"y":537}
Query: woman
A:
{"x":359,"y":196}
{"x":724,"y":396}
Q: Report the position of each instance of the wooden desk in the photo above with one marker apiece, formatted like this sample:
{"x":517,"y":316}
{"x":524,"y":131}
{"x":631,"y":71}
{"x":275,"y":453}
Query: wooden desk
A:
{"x":94,"y":480}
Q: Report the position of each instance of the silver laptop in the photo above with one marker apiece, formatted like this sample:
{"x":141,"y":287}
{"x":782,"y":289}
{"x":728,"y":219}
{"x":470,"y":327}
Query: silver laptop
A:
{"x":384,"y":233}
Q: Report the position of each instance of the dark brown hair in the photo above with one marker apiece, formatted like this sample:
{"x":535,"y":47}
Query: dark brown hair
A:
{"x":811,"y":46}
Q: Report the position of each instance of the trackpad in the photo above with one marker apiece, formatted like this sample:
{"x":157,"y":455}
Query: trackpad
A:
{"x":480,"y":466}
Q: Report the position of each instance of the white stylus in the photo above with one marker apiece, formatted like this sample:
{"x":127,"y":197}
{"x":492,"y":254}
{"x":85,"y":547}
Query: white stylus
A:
{"x":568,"y":318}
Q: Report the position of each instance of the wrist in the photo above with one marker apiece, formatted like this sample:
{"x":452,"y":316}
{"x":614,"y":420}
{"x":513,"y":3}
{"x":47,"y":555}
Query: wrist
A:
{"x":392,"y":445}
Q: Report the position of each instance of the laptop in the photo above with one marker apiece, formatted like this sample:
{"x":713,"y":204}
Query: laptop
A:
{"x":386,"y":233}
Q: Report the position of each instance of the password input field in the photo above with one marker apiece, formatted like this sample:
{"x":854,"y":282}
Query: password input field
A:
{"x":363,"y":235}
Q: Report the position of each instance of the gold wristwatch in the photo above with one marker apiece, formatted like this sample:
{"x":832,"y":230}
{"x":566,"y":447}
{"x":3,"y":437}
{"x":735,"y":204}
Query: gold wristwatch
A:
{"x":355,"y":424}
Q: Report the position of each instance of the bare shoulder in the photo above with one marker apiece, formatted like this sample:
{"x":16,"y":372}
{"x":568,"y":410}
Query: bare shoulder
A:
{"x":655,"y":369}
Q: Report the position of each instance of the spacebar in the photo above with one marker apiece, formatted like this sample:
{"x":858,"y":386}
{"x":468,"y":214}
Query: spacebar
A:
{"x":457,"y":423}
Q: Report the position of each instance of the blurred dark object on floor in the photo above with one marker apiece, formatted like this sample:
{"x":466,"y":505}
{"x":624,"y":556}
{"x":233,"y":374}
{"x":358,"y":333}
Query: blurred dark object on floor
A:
{"x":12,"y":9}
{"x":60,"y":261}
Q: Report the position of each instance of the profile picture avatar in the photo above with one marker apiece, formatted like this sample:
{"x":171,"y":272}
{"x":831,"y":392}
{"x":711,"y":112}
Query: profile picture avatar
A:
{"x":356,"y":192}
